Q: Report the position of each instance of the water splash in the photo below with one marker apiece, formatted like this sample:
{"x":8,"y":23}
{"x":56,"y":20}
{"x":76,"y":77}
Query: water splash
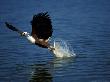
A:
{"x":62,"y":50}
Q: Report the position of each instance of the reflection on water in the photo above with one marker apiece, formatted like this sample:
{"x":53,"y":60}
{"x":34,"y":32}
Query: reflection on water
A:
{"x":44,"y":72}
{"x":41,"y":73}
{"x":63,"y":62}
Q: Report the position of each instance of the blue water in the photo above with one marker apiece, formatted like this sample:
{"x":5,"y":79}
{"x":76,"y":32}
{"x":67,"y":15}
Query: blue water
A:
{"x":84,"y":24}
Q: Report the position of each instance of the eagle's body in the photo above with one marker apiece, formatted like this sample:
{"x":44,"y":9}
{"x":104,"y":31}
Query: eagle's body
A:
{"x":41,"y":29}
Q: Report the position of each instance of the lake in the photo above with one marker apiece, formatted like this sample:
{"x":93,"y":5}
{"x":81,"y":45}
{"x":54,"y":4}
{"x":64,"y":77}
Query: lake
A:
{"x":84,"y":24}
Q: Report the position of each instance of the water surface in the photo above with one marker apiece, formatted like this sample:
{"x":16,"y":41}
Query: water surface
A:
{"x":84,"y":24}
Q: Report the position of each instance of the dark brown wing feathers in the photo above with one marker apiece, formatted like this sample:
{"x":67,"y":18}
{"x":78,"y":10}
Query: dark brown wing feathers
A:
{"x":41,"y":26}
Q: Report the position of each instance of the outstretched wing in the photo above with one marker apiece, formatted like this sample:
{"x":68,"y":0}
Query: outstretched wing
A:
{"x":41,"y":26}
{"x":11,"y":27}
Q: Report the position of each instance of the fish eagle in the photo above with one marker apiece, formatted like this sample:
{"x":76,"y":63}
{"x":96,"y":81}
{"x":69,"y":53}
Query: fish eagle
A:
{"x":41,"y":30}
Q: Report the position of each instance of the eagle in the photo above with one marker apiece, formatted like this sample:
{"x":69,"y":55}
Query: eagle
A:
{"x":41,"y":30}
